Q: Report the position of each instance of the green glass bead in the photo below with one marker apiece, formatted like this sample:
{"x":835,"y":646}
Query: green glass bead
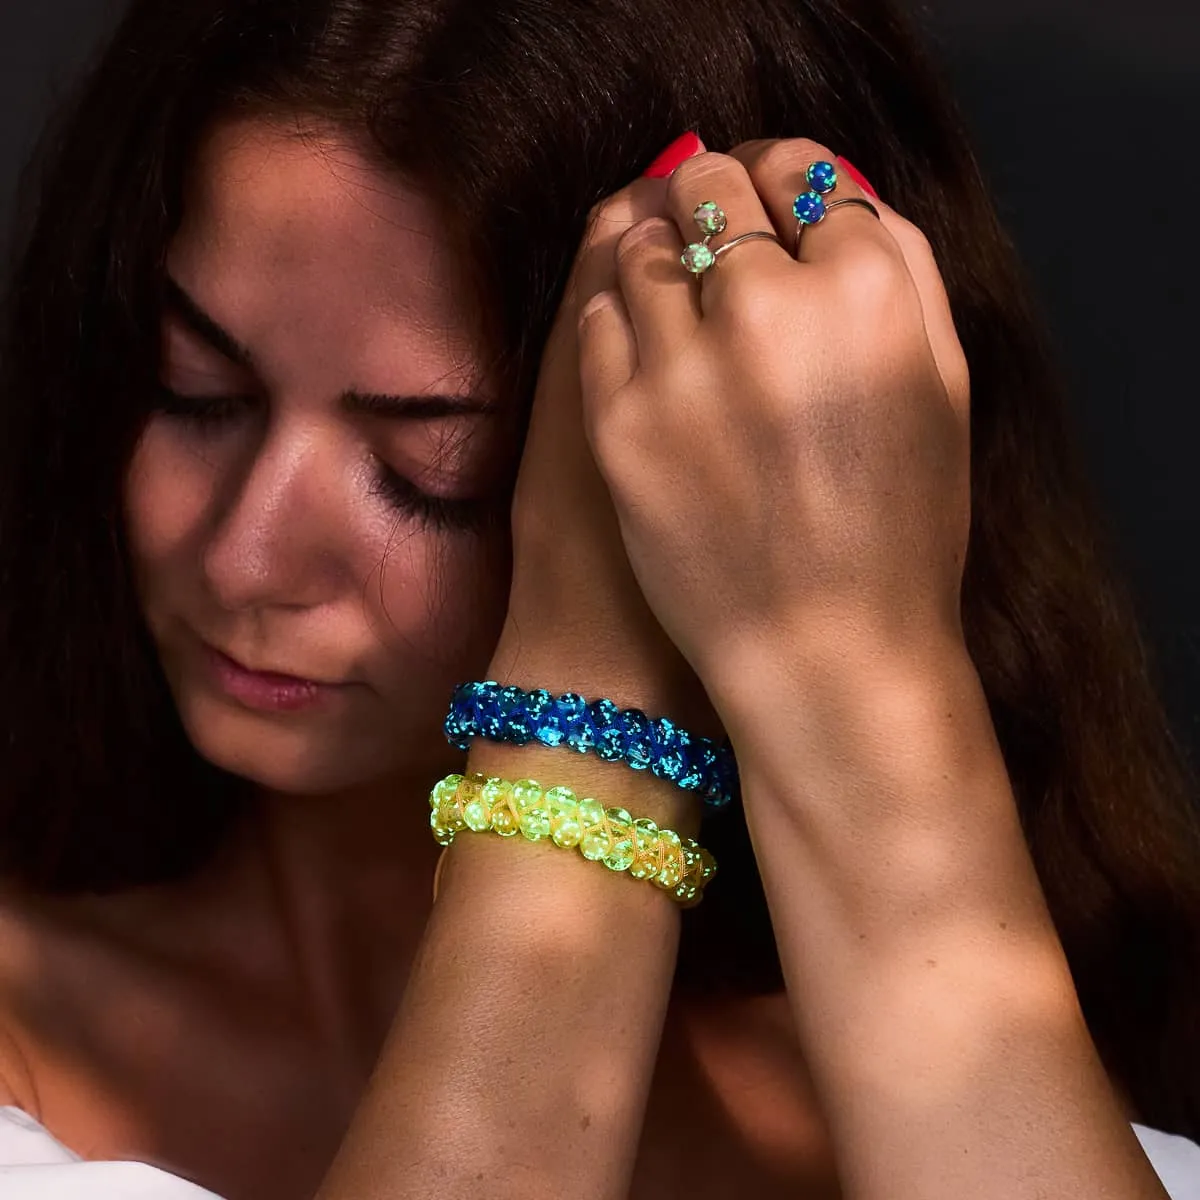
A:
{"x":441,"y":834}
{"x":697,"y":258}
{"x":560,"y":798}
{"x":672,"y":871}
{"x":505,"y":822}
{"x":535,"y":823}
{"x":495,"y":791}
{"x":475,"y":813}
{"x":526,"y":793}
{"x":621,"y":853}
{"x":591,"y":811}
{"x":645,"y":864}
{"x":709,"y":866}
{"x":444,"y":790}
{"x":596,"y":840}
{"x":563,"y":808}
{"x":565,"y":830}
{"x":686,"y":892}
{"x":710,"y":218}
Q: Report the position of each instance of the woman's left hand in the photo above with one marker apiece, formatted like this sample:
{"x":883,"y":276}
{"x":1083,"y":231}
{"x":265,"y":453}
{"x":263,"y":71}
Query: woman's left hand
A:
{"x":786,"y":440}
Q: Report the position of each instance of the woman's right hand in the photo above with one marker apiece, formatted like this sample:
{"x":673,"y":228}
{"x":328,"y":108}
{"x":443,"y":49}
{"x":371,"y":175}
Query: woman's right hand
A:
{"x":577,"y":620}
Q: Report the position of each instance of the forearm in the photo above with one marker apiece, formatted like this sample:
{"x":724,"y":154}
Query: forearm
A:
{"x":929,"y":988}
{"x":520,"y":1060}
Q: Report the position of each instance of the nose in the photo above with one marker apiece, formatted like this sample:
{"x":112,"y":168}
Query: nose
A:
{"x":272,"y":543}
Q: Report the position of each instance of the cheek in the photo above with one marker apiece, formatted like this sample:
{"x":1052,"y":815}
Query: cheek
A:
{"x":444,"y":593}
{"x":167,"y":493}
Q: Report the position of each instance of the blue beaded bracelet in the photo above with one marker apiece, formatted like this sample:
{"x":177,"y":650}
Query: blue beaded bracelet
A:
{"x":510,"y":714}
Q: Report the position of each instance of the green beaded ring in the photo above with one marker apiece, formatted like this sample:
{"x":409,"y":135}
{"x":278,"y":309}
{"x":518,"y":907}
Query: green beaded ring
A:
{"x":483,"y":804}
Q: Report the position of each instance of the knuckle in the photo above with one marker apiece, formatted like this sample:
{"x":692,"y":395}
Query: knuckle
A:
{"x":911,"y":237}
{"x":751,"y":307}
{"x":644,"y":236}
{"x":872,"y":273}
{"x":696,"y":171}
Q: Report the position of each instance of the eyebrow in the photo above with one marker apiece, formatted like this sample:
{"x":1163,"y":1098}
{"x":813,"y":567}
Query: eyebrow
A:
{"x":420,"y":407}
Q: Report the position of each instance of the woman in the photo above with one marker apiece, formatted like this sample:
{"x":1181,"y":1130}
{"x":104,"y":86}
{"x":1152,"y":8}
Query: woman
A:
{"x":287,"y":407}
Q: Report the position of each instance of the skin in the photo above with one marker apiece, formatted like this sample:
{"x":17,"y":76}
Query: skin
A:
{"x":286,"y":960}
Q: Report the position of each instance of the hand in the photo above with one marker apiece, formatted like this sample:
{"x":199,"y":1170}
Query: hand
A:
{"x":786,"y":441}
{"x":577,"y":619}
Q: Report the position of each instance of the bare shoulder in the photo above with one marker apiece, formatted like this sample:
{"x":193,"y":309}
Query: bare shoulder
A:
{"x":22,"y":948}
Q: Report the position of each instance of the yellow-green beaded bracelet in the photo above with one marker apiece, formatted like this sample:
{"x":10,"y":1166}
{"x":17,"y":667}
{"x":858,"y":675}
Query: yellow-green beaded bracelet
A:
{"x":484,"y":803}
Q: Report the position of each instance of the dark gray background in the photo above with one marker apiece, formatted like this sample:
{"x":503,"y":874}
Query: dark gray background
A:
{"x":1087,"y":117}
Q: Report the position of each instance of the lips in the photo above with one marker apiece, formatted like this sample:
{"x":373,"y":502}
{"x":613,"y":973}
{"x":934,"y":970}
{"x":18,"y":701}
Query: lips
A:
{"x":268,"y":691}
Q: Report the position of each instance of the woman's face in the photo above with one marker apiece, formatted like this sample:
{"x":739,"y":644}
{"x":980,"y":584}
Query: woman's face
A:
{"x":270,"y":499}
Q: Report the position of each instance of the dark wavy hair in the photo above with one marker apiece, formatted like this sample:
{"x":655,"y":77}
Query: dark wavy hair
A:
{"x":517,"y":116}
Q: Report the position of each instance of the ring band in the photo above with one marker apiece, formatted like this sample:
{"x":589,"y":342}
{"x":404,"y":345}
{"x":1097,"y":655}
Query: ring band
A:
{"x":802,"y":225}
{"x":745,"y":237}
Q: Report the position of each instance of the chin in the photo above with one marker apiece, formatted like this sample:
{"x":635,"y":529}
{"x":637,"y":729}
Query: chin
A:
{"x":293,"y":757}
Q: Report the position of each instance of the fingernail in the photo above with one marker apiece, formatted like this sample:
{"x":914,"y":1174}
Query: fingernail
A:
{"x":858,"y":177}
{"x":681,"y":148}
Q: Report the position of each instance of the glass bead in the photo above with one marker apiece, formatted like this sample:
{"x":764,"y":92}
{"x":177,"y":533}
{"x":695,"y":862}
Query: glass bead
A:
{"x":639,"y":744}
{"x":491,"y":716}
{"x":505,"y":822}
{"x":672,"y":869}
{"x":565,"y":830}
{"x":809,"y":208}
{"x":444,"y":789}
{"x":697,"y":258}
{"x":596,"y":840}
{"x":535,"y":823}
{"x":492,"y":795}
{"x":822,"y":177}
{"x":441,"y":834}
{"x":475,"y":814}
{"x":645,"y":862}
{"x":710,"y":218}
{"x":563,"y":808}
{"x":610,"y":738}
{"x":621,"y":852}
{"x":580,"y":734}
{"x":591,"y":811}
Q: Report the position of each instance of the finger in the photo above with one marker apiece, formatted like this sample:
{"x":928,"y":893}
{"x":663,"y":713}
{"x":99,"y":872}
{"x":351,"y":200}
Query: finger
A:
{"x":661,"y":298}
{"x":935,"y":307}
{"x":779,"y":172}
{"x":778,"y":168}
{"x":608,"y":351}
{"x":722,"y":180}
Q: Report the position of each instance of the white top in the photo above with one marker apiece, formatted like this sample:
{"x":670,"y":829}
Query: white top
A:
{"x":36,"y":1166}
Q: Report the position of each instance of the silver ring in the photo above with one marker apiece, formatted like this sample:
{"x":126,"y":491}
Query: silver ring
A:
{"x":745,"y":237}
{"x":801,"y":225}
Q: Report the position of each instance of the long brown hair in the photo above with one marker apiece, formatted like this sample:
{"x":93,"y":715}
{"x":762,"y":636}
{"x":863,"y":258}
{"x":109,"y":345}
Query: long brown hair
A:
{"x":518,"y":115}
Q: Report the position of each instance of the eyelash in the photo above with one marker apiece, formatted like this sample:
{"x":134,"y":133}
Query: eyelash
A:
{"x":458,"y":515}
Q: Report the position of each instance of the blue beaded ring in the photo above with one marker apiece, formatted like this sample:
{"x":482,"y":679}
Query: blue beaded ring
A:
{"x":510,"y":714}
{"x":809,"y":207}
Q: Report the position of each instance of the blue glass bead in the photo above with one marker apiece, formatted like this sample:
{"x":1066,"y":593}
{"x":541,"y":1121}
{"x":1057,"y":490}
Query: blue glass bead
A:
{"x":515,"y":723}
{"x":639,"y":744}
{"x":692,"y":776}
{"x":544,"y":718}
{"x":610,"y":737}
{"x":668,"y":757}
{"x":822,"y":177}
{"x":573,"y":712}
{"x":809,"y":208}
{"x":491,"y":715}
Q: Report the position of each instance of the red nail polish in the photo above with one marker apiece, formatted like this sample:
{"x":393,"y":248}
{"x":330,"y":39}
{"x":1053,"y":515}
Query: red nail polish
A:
{"x":680,"y":149}
{"x":858,"y":177}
